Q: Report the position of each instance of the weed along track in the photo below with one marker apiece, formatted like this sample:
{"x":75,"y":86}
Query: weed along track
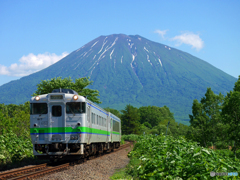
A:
{"x":36,"y":171}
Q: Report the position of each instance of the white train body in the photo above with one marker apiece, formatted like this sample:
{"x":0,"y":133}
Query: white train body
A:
{"x":66,"y":124}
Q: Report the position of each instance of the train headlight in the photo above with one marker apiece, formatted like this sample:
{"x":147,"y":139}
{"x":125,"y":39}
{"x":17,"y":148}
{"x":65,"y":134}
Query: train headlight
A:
{"x":75,"y":97}
{"x":37,"y":98}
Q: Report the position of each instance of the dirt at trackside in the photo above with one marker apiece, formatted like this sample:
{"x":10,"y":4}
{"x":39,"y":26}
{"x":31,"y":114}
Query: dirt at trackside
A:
{"x":99,"y":168}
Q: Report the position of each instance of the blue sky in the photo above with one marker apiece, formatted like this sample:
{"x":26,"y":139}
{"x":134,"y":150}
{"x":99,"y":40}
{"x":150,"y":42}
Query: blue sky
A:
{"x":36,"y":34}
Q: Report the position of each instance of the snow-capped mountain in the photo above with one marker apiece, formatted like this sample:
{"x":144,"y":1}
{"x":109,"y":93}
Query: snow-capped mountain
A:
{"x":131,"y":70}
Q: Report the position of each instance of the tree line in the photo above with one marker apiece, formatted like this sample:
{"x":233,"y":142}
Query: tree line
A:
{"x":148,"y":120}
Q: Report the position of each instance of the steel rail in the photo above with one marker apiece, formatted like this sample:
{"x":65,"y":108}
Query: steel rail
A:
{"x":11,"y":173}
{"x":42,"y":169}
{"x":41,"y":172}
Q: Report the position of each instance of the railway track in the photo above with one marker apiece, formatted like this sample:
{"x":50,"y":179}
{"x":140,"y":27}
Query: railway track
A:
{"x":46,"y":168}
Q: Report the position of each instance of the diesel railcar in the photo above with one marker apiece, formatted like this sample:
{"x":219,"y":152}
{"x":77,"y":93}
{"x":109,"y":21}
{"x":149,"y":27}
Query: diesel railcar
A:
{"x":64,"y":124}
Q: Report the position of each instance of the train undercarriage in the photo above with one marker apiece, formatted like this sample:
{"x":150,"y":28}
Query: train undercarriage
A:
{"x":60,"y":151}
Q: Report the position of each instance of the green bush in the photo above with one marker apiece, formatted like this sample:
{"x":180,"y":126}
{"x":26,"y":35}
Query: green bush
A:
{"x":177,"y":158}
{"x":14,"y":148}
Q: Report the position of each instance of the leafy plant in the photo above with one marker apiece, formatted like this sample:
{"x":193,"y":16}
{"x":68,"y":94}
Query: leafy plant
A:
{"x":177,"y":158}
{"x":14,"y":148}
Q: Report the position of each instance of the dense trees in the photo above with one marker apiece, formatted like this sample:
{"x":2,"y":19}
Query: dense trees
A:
{"x":215,"y":120}
{"x":231,"y":114}
{"x":154,"y":115}
{"x":130,"y":120}
{"x":46,"y":86}
{"x":15,"y":118}
{"x":150,"y":120}
{"x":206,"y":116}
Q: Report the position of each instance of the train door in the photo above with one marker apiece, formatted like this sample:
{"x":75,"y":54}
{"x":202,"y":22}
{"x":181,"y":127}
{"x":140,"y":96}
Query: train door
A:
{"x":89,"y":124}
{"x":57,"y":123}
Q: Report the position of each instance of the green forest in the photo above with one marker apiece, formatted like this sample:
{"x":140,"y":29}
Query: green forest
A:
{"x":214,"y":122}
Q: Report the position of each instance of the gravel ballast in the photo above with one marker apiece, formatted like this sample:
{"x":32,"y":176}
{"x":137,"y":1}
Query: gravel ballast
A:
{"x":99,"y":168}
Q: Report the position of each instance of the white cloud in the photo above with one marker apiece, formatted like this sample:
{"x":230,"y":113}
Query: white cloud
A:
{"x":161,"y":33}
{"x":191,"y":39}
{"x":30,"y":64}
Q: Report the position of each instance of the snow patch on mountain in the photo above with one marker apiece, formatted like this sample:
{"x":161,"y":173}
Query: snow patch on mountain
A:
{"x":160,"y":61}
{"x":149,"y":60}
{"x":107,"y":48}
{"x":80,"y":48}
{"x":167,"y":47}
{"x":92,"y":71}
{"x":85,"y":54}
{"x":111,"y":53}
{"x":145,"y":49}
{"x":89,"y":53}
{"x":121,"y":59}
{"x":103,"y":45}
{"x":131,"y":45}
{"x":94,"y":44}
{"x":133,"y":57}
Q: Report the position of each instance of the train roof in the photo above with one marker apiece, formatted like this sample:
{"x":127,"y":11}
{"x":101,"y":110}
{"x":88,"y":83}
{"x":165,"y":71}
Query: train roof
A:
{"x":67,"y":91}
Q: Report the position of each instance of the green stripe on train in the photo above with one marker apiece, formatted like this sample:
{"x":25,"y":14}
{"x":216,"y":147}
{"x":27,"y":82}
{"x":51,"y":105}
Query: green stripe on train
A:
{"x":70,"y":130}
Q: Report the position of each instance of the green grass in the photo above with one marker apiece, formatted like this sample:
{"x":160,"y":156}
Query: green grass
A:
{"x":121,"y":174}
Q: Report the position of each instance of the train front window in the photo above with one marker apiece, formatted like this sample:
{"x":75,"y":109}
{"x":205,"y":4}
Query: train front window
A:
{"x":75,"y":107}
{"x":38,"y":108}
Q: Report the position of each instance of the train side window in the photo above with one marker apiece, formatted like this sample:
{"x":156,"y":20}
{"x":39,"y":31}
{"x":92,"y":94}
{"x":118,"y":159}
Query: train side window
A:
{"x":57,"y":111}
{"x":115,"y":126}
{"x":92,"y":118}
{"x":97,"y":119}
